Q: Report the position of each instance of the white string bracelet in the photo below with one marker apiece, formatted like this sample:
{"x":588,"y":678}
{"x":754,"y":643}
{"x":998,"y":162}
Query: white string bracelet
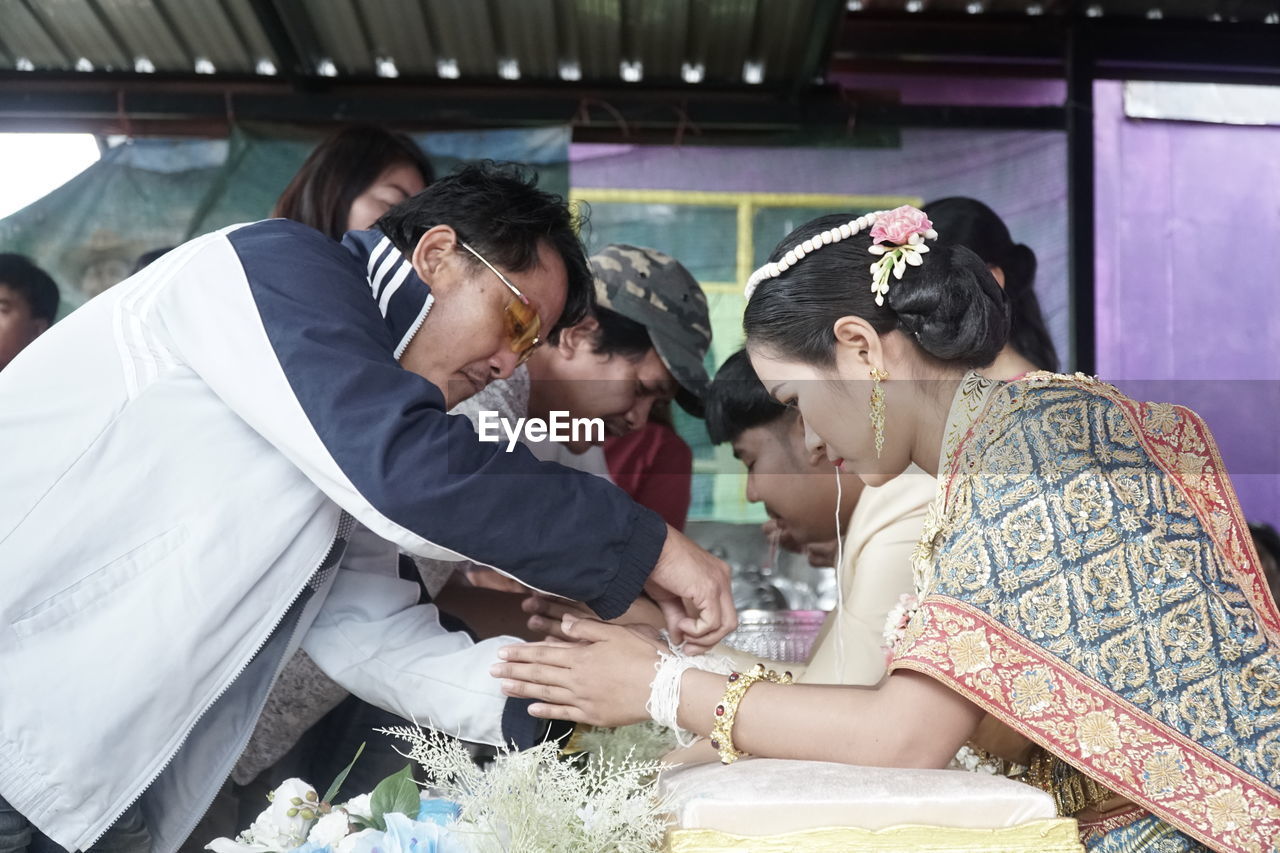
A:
{"x":664,"y":691}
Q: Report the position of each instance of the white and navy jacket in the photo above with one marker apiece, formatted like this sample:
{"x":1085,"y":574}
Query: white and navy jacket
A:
{"x":177,"y":457}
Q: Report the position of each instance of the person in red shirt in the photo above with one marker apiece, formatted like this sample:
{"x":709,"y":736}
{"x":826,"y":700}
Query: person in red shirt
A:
{"x":654,"y":465}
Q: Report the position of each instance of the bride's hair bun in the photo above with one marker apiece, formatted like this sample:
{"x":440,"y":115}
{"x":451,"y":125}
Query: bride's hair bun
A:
{"x":953,"y":307}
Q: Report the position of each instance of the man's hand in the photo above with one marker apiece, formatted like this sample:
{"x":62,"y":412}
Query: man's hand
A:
{"x":546,"y":615}
{"x":692,"y":588}
{"x":489,"y":579}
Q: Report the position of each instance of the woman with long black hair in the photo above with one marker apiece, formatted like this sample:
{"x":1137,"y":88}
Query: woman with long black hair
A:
{"x":1085,"y":587}
{"x":968,"y":222}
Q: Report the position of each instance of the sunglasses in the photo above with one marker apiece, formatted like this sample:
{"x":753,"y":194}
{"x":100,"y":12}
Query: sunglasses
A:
{"x":520,"y":318}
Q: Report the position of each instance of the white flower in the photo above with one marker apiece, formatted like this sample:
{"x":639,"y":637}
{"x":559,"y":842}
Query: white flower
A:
{"x":239,"y":845}
{"x":347,"y":844}
{"x":330,"y":829}
{"x":292,"y":812}
{"x":968,"y":759}
{"x":359,"y":807}
{"x":898,"y":617}
{"x":587,"y":814}
{"x":283,"y":825}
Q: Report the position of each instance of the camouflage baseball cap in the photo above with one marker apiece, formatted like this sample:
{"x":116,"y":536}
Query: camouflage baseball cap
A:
{"x":656,"y":291}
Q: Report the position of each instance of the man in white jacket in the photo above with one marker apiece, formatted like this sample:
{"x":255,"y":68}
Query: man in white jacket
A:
{"x":214,"y":463}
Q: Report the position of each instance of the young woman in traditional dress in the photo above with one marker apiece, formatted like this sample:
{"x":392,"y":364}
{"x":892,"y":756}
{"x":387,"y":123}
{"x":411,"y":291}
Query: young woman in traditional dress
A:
{"x":1088,"y":602}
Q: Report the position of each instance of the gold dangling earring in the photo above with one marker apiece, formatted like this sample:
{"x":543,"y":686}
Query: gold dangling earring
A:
{"x":877,"y":406}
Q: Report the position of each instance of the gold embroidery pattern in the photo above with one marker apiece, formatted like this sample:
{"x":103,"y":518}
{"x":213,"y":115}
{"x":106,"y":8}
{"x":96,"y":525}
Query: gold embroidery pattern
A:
{"x":1088,"y":583}
{"x":970,"y":397}
{"x":1089,"y":727}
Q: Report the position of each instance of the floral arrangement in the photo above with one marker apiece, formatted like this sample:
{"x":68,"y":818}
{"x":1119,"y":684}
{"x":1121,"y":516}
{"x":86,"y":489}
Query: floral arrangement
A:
{"x":898,"y":238}
{"x":535,"y":801}
{"x":539,"y":801}
{"x":896,"y":622}
{"x":647,"y":741}
{"x":394,"y":818}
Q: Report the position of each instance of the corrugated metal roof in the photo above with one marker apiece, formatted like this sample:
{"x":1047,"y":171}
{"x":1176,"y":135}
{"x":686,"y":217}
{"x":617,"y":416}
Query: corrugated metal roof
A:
{"x":1243,"y":11}
{"x":723,"y":42}
{"x":746,"y":44}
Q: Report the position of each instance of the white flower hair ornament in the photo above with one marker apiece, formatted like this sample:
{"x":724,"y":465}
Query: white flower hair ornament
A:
{"x":897,"y":236}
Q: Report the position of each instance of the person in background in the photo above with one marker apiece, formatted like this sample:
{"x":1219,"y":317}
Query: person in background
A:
{"x":28,"y":304}
{"x":1267,"y":541}
{"x":642,"y":344}
{"x":796,"y":486}
{"x":646,"y":457}
{"x":654,"y":465}
{"x":968,"y":222}
{"x":352,"y":178}
{"x":148,"y":258}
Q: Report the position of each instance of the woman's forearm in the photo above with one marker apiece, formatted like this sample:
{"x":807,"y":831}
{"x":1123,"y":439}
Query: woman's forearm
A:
{"x":909,"y":721}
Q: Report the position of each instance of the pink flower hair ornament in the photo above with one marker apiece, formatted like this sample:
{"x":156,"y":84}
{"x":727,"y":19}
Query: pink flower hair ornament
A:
{"x":897,"y":236}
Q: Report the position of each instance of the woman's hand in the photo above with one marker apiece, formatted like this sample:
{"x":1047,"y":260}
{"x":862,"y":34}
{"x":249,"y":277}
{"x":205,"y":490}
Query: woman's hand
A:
{"x":602,"y":678}
{"x":546,"y":615}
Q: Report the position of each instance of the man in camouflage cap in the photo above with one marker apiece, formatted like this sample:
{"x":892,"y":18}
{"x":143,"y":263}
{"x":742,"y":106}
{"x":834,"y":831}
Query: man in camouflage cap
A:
{"x":656,"y":291}
{"x":642,"y":343}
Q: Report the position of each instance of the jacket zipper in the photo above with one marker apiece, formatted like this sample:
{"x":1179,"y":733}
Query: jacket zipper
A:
{"x":239,"y":671}
{"x":417,"y":325}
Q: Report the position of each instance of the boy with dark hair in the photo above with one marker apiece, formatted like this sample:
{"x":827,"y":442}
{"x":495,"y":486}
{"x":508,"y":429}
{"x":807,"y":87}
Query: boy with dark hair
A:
{"x":28,"y":304}
{"x":797,"y":487}
{"x":641,"y":344}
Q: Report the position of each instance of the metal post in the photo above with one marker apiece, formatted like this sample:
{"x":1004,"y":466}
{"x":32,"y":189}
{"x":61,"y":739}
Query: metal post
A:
{"x":1080,"y":196}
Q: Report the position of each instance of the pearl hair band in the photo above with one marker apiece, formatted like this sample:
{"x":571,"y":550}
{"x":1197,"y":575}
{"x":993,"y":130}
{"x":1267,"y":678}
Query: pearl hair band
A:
{"x":894,"y":258}
{"x":773,"y":269}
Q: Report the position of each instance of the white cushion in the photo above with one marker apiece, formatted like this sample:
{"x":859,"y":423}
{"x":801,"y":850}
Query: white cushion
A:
{"x":765,"y":796}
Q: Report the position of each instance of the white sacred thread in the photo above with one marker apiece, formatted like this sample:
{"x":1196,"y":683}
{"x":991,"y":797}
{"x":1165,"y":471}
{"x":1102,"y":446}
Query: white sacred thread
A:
{"x":664,"y":691}
{"x":839,"y":627}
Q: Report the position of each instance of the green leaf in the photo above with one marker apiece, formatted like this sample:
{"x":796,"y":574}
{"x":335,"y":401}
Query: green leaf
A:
{"x":396,"y":793}
{"x":342,"y":777}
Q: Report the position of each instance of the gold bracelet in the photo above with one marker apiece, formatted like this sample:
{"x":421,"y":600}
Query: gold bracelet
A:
{"x":727,"y":710}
